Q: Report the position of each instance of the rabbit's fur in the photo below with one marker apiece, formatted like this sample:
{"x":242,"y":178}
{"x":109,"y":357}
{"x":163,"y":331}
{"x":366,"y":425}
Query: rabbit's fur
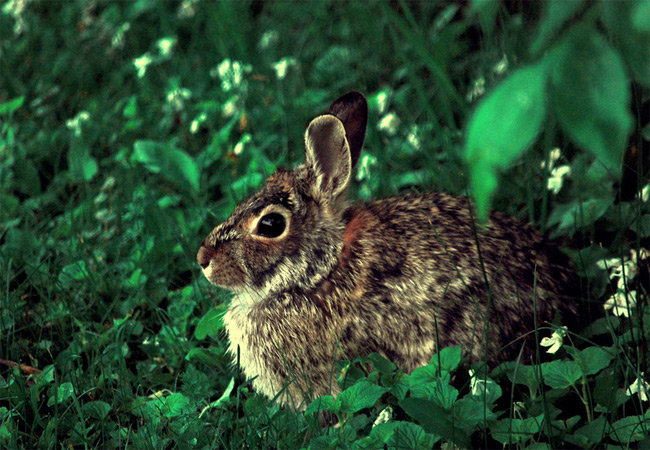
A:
{"x":400,"y":276}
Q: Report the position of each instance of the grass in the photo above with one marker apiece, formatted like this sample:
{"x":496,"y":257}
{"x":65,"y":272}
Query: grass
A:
{"x":128,"y":130}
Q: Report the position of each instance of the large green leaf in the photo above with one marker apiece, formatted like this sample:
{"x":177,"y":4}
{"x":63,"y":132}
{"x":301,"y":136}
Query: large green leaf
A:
{"x":591,"y":96}
{"x":503,"y":125}
{"x":359,"y":396}
{"x":556,"y":13}
{"x":170,"y":162}
{"x":629,"y":22}
{"x":511,"y":431}
{"x":561,"y":374}
{"x":83,"y":167}
{"x":434,"y":420}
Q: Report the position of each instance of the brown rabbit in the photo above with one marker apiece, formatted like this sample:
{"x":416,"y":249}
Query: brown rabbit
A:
{"x":317,"y":278}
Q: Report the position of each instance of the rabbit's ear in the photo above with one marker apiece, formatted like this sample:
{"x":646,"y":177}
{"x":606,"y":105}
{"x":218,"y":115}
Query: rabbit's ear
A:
{"x":327,"y":152}
{"x":352,"y":110}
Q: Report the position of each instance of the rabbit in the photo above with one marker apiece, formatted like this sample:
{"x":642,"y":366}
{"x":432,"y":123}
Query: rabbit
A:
{"x":317,"y":278}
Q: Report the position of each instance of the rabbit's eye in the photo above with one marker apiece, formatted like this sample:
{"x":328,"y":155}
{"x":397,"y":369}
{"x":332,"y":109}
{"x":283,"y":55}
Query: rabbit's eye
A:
{"x":271,"y":225}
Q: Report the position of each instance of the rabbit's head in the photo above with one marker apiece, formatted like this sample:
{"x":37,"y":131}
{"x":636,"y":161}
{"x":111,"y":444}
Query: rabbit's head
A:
{"x":289,"y":235}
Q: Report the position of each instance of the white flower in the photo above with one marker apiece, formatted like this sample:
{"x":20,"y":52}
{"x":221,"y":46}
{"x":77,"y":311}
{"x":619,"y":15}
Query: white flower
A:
{"x":194,"y":126}
{"x":389,"y":123}
{"x":118,"y":38}
{"x":74,"y":124}
{"x":282,"y":66}
{"x":165,"y":45}
{"x":640,"y":387}
{"x":501,"y":67}
{"x":644,"y":193}
{"x":384,"y":416}
{"x":620,"y":303}
{"x":382,"y":100}
{"x":231,"y":73}
{"x":268,"y":38}
{"x":177,"y":96}
{"x":479,"y":386}
{"x":622,"y":268}
{"x":141,"y":64}
{"x":478,"y":89}
{"x":413,"y":138}
{"x":239,"y":147}
{"x":555,"y":341}
{"x":555,"y":181}
{"x":365,"y":163}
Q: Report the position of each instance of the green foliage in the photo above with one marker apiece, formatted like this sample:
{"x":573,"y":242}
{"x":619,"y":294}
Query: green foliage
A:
{"x":129,"y":129}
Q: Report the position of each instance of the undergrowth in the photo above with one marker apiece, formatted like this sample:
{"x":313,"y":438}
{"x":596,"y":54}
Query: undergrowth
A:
{"x":129,"y":129}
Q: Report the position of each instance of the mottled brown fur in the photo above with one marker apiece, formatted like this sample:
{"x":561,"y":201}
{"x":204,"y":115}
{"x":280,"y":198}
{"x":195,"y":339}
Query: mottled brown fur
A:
{"x":396,"y":276}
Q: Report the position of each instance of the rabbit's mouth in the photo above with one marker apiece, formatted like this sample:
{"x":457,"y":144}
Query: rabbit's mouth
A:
{"x":219,"y":268}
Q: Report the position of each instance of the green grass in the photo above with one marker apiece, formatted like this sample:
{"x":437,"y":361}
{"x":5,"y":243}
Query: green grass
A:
{"x":129,"y":129}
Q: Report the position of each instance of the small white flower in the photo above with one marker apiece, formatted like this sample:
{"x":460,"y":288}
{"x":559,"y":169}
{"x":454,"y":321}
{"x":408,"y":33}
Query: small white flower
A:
{"x":269,"y":38}
{"x":382,"y":100}
{"x":239,"y":147}
{"x":187,"y":9}
{"x":555,"y":341}
{"x":478,"y":89}
{"x":389,"y":123}
{"x":639,"y":387}
{"x":622,"y":268}
{"x":118,"y":38}
{"x":479,"y":386}
{"x":74,"y":124}
{"x":620,"y":303}
{"x":413,"y":138}
{"x":555,"y":181}
{"x":231,"y":73}
{"x":194,"y":126}
{"x":229,"y":108}
{"x":177,"y":96}
{"x":644,"y":193}
{"x":142,"y":63}
{"x":384,"y":416}
{"x":165,"y":45}
{"x":365,"y":163}
{"x":501,"y":66}
{"x":282,"y":66}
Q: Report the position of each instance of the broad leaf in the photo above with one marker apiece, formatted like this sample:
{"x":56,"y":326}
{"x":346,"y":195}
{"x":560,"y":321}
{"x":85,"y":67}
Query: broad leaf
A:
{"x":503,"y":125}
{"x":591,"y":96}
{"x":561,"y":374}
{"x":359,"y":396}
{"x":170,"y":162}
{"x":434,"y":420}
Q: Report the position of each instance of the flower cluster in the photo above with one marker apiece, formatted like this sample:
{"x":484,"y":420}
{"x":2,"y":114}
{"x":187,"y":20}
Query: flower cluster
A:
{"x":625,"y":270}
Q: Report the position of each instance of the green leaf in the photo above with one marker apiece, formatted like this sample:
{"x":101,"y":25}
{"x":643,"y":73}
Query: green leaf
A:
{"x":410,"y":435}
{"x":641,"y":226}
{"x":511,"y":431}
{"x":83,"y":167}
{"x":526,"y":375}
{"x":324,"y":403}
{"x":434,"y":420}
{"x":12,"y":105}
{"x":594,"y":431}
{"x":170,"y":162}
{"x":578,"y":215}
{"x":561,"y":374}
{"x":628,"y":23}
{"x":503,"y":125}
{"x":359,"y":396}
{"x":174,"y":405}
{"x":63,"y":392}
{"x":447,"y":359}
{"x":440,"y":392}
{"x":591,"y":95}
{"x":210,"y":324}
{"x":630,"y":429}
{"x":470,"y":411}
{"x":97,"y":409}
{"x":556,"y":13}
{"x":592,"y":359}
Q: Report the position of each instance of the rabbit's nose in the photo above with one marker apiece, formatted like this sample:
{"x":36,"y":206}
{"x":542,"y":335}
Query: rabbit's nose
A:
{"x":206,"y":253}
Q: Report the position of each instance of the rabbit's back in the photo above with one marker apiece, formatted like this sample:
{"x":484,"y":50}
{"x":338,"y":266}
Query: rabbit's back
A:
{"x":426,"y":273}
